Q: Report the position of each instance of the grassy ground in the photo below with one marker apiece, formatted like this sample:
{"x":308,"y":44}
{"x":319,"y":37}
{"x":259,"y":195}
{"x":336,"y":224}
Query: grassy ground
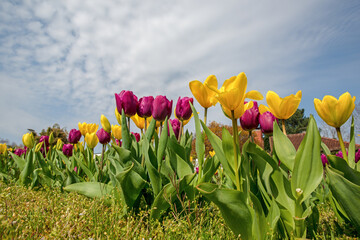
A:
{"x":51,"y":214}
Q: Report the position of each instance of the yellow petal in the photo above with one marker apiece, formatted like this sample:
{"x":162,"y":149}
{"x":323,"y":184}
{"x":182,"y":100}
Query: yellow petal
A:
{"x":263,"y":108}
{"x":253,"y":94}
{"x":273,"y":100}
{"x":289,"y":105}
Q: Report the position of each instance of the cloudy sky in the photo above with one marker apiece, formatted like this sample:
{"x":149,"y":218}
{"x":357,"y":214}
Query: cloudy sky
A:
{"x":62,"y":61}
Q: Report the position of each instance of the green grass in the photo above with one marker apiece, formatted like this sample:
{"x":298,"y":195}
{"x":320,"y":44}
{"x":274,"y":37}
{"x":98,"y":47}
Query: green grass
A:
{"x":52,"y":214}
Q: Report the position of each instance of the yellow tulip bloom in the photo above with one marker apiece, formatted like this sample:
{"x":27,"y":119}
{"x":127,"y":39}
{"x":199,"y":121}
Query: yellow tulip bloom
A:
{"x":28,"y":140}
{"x":91,"y":140}
{"x":3,"y":148}
{"x":335,"y":112}
{"x":105,"y":123}
{"x":212,"y":153}
{"x":232,"y":95}
{"x":118,"y":116}
{"x":79,"y":146}
{"x":139,"y":121}
{"x":202,"y":93}
{"x":116,"y":131}
{"x":82,"y":128}
{"x":283,"y":108}
{"x":239,"y":111}
{"x":92,"y":127}
{"x":59,"y":144}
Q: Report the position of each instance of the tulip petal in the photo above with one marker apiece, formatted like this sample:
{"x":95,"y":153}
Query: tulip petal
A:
{"x":199,"y":92}
{"x":255,"y":95}
{"x":273,"y":100}
{"x":344,"y":108}
{"x":211,"y":81}
{"x":263,"y":108}
{"x":289,"y":105}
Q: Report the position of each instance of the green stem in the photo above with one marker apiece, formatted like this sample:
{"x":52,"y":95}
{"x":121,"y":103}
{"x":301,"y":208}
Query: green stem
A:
{"x":181,"y":130}
{"x":236,"y":162}
{"x":145,"y":125}
{"x":283,"y":126}
{"x":341,"y":141}
{"x":102,"y":160}
{"x":128,"y":123}
{"x":205,"y":115}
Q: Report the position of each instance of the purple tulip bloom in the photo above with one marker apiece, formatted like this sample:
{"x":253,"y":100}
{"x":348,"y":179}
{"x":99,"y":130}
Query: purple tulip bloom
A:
{"x":19,"y":152}
{"x":324,"y":160}
{"x":137,"y":136}
{"x":74,"y":136}
{"x":103,"y":136}
{"x":197,"y":170}
{"x":128,"y":101}
{"x":175,"y":124}
{"x":75,"y":169}
{"x":250,"y":119}
{"x":162,"y":108}
{"x":145,"y":106}
{"x":68,"y":149}
{"x":183,"y":110}
{"x":266,"y":121}
{"x":339,"y":154}
{"x":357,"y":156}
{"x":45,"y":139}
{"x":118,"y":142}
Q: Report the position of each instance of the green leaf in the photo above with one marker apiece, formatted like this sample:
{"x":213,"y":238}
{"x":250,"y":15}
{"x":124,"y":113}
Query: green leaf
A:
{"x":90,"y":189}
{"x":162,"y":143}
{"x":259,"y":224}
{"x":85,"y":169}
{"x":199,"y":141}
{"x":325,"y":148}
{"x":347,"y":195}
{"x":254,"y":149}
{"x":210,"y":167}
{"x":125,"y":134}
{"x":20,"y":162}
{"x":28,"y":168}
{"x":351,"y":157}
{"x":273,"y":217}
{"x":233,"y":206}
{"x":150,"y":161}
{"x":151,"y":129}
{"x":308,"y":169}
{"x":284,"y":148}
{"x":228,"y":147}
{"x":347,"y":172}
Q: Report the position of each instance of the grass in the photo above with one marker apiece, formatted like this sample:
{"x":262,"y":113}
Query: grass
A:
{"x":52,"y":214}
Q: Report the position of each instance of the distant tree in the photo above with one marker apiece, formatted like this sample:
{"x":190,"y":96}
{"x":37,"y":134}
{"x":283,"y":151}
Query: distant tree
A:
{"x":58,"y":132}
{"x":297,"y":123}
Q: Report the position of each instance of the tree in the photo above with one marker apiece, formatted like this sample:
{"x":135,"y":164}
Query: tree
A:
{"x":58,"y":133}
{"x":297,"y":123}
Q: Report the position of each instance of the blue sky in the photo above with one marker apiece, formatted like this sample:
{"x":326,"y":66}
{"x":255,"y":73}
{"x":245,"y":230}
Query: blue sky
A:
{"x":62,"y":61}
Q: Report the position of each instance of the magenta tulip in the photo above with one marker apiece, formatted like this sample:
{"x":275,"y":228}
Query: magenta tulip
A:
{"x":175,"y":124}
{"x":266,"y":121}
{"x":162,"y":108}
{"x":145,"y":106}
{"x":74,"y":136}
{"x":44,"y":139}
{"x":357,"y":156}
{"x":19,"y":151}
{"x":68,"y":149}
{"x":183,"y":110}
{"x":137,"y":136}
{"x":118,"y":142}
{"x":250,"y":119}
{"x":128,"y":101}
{"x":103,"y":136}
{"x":324,"y":160}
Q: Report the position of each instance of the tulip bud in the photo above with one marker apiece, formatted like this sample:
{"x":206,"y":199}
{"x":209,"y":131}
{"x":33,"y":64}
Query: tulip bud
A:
{"x":105,"y":123}
{"x":28,"y":140}
{"x":324,"y":160}
{"x":68,"y":150}
{"x":91,"y":140}
{"x":83,"y":128}
{"x":118,"y":116}
{"x":44,"y":139}
{"x":183,"y":110}
{"x":19,"y":151}
{"x":250,"y":119}
{"x":3,"y":148}
{"x":339,"y":154}
{"x":79,"y":146}
{"x":74,"y":136}
{"x":59,"y":144}
{"x":92,"y":127}
{"x":128,"y":101}
{"x":162,"y":108}
{"x":137,"y":136}
{"x":266,"y":121}
{"x":116,"y":131}
{"x":118,"y":142}
{"x":51,"y":138}
{"x":145,"y":106}
{"x":103,"y":136}
{"x":357,"y":156}
{"x":175,"y":124}
{"x":39,"y":146}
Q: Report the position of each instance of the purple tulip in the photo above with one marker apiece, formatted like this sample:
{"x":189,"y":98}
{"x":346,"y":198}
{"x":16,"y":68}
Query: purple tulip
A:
{"x":339,"y":154}
{"x":162,"y":108}
{"x":44,"y":139}
{"x":75,"y":169}
{"x":250,"y":119}
{"x":74,"y":136}
{"x":145,"y":106}
{"x":68,"y":149}
{"x":128,"y":101}
{"x":137,"y":136}
{"x":103,"y":136}
{"x":118,"y":142}
{"x":324,"y":160}
{"x":183,"y":110}
{"x":175,"y":124}
{"x":19,"y":151}
{"x":266,"y":121}
{"x":197,"y":170}
{"x":357,"y":156}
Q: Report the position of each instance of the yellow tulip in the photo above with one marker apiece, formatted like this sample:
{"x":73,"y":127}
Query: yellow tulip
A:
{"x":232,"y":95}
{"x":91,"y":140}
{"x":212,"y":153}
{"x":105,"y":123}
{"x":92,"y":127}
{"x":283,"y":108}
{"x":28,"y":140}
{"x":39,"y":146}
{"x":79,"y":146}
{"x":83,"y":128}
{"x":139,"y":121}
{"x":116,"y":131}
{"x":118,"y":116}
{"x":59,"y":144}
{"x":239,"y":111}
{"x":335,"y":112}
{"x":3,"y":148}
{"x":202,"y":93}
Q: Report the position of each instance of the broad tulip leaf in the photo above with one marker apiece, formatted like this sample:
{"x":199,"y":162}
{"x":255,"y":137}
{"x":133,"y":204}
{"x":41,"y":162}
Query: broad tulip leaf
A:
{"x":125,"y":134}
{"x":347,"y":172}
{"x":210,"y":167}
{"x":282,"y":193}
{"x":20,"y":162}
{"x":308,"y":169}
{"x":254,"y":149}
{"x":90,"y":189}
{"x":325,"y":148}
{"x":284,"y":148}
{"x":273,"y":217}
{"x":259,"y":224}
{"x":87,"y":171}
{"x":199,"y":141}
{"x":162,"y":143}
{"x":150,"y":160}
{"x":228,"y":147}
{"x":347,"y":195}
{"x":233,"y":206}
{"x":351,"y":156}
{"x":28,"y":168}
{"x":217,"y":146}
{"x":151,"y":129}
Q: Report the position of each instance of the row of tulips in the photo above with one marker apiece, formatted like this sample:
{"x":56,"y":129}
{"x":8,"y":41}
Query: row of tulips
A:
{"x":260,"y":196}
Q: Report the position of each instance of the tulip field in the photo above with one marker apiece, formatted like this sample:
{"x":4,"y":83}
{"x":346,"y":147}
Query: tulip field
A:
{"x":252,"y":193}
